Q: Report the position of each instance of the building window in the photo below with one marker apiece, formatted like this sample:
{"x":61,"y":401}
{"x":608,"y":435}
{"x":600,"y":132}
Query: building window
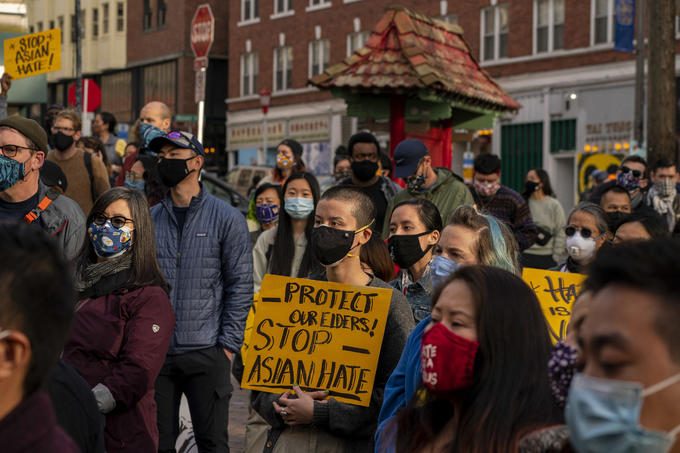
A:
{"x":31,"y":29}
{"x":95,"y":23}
{"x":51,"y":24}
{"x":40,"y":26}
{"x":494,"y":32}
{"x":60,"y":21}
{"x":74,"y":34}
{"x":603,"y":21}
{"x":549,"y":16}
{"x":356,"y":41}
{"x":319,"y":54}
{"x":318,"y":3}
{"x":283,"y":6}
{"x":105,"y":18}
{"x":147,"y":15}
{"x":120,"y":16}
{"x":249,"y":70}
{"x":162,"y":8}
{"x":249,"y":10}
{"x":283,"y":68}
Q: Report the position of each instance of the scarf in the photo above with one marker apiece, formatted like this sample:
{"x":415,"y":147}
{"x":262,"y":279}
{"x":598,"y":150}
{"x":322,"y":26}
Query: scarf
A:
{"x":663,"y":205}
{"x":93,"y":273}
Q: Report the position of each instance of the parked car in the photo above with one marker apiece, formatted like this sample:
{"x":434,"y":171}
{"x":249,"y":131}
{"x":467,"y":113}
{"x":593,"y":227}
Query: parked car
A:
{"x":241,"y":177}
{"x":219,"y":187}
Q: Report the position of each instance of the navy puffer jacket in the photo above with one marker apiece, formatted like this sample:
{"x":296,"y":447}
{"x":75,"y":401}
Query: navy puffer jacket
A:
{"x":210,"y":269}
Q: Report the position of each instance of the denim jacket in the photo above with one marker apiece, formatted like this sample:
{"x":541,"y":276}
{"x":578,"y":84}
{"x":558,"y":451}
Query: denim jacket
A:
{"x":417,"y":293}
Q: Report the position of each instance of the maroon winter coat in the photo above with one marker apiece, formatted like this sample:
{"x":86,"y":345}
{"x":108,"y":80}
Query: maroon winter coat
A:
{"x":120,"y":340}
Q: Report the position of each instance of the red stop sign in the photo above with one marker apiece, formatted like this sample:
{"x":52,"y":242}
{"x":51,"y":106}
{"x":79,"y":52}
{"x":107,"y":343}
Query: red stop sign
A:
{"x":94,"y":95}
{"x":202,"y":30}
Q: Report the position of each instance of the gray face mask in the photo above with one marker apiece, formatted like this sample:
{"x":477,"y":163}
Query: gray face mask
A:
{"x":665,"y":188}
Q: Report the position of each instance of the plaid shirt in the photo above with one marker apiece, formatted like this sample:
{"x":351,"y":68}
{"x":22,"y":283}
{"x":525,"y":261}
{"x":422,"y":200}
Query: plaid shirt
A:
{"x":509,"y":206}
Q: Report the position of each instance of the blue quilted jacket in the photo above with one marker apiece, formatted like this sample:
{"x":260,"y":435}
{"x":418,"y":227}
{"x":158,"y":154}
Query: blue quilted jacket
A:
{"x":210,"y":269}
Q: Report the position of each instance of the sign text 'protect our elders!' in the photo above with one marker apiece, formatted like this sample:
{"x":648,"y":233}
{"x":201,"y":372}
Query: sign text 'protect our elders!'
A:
{"x":319,"y":335}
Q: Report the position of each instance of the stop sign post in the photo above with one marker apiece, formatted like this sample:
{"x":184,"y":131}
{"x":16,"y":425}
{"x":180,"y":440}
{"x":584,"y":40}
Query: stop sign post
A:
{"x":202,"y":36}
{"x":92,"y":99}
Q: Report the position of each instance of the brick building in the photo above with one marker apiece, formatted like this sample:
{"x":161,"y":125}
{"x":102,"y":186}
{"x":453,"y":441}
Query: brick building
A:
{"x":555,"y":57}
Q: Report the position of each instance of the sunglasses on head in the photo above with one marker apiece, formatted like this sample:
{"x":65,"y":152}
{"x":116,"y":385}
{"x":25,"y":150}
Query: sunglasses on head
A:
{"x":625,"y":170}
{"x":585,"y":232}
{"x":117,"y":221}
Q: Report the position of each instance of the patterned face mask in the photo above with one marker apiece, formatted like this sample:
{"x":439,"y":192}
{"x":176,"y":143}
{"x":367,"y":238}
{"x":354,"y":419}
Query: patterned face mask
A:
{"x":109,"y":241}
{"x":11,"y":172}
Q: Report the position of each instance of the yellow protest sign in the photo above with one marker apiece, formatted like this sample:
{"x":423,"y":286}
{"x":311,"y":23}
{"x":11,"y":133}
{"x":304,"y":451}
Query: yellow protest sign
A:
{"x":33,"y":54}
{"x":556,"y":291}
{"x":319,"y":335}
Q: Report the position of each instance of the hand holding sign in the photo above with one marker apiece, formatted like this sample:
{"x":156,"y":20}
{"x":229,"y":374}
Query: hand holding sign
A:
{"x":325,"y":336}
{"x":5,"y":84}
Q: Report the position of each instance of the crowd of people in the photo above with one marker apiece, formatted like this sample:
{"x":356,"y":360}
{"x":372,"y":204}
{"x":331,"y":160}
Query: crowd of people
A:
{"x":127,"y":286}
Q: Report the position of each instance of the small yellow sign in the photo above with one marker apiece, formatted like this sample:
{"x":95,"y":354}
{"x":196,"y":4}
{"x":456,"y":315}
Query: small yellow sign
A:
{"x":556,"y":291}
{"x":319,"y":335}
{"x":33,"y":54}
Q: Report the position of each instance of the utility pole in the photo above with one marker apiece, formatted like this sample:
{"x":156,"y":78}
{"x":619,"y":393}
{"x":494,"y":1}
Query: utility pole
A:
{"x":661,"y":81}
{"x":639,"y":120}
{"x":79,"y":58}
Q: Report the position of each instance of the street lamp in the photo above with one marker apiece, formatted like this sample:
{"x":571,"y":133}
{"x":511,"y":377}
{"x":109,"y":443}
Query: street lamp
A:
{"x":265,"y":97}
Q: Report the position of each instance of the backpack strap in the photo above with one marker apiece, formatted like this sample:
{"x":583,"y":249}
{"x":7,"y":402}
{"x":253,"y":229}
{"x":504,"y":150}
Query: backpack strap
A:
{"x":36,"y":212}
{"x":87,"y":157}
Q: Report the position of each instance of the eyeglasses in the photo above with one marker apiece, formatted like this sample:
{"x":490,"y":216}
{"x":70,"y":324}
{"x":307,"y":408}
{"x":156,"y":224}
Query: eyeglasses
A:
{"x":56,"y":129}
{"x":585,"y":232}
{"x":117,"y":221}
{"x":132,"y":176}
{"x":12,"y":150}
{"x":625,"y":170}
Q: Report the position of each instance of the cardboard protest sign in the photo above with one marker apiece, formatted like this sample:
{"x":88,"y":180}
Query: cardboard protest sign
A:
{"x":33,"y":54}
{"x":556,"y":291}
{"x":319,"y":335}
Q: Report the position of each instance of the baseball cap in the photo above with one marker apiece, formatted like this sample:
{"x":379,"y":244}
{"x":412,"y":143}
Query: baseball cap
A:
{"x":407,"y":156}
{"x":29,"y":129}
{"x":180,"y":139}
{"x":52,"y":175}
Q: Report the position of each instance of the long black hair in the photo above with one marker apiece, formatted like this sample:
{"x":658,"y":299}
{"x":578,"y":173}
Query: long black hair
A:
{"x":284,"y":243}
{"x":545,"y":181}
{"x":145,"y":270}
{"x":510,"y":396}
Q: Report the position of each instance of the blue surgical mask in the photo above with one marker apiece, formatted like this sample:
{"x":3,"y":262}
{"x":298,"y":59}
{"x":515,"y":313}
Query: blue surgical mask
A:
{"x":139,"y":185}
{"x":11,"y":172}
{"x":299,"y":208}
{"x":109,"y":241}
{"x":603,"y":416}
{"x":440,"y":269}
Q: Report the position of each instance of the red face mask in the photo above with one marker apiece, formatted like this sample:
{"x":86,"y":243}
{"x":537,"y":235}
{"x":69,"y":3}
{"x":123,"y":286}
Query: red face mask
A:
{"x":447,"y":360}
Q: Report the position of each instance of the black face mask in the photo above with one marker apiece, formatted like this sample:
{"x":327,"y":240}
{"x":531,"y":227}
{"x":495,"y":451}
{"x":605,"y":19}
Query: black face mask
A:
{"x":530,"y":187}
{"x":173,"y":171}
{"x":615,"y":219}
{"x":330,"y":245}
{"x":364,"y":170}
{"x":62,"y":141}
{"x":405,"y":249}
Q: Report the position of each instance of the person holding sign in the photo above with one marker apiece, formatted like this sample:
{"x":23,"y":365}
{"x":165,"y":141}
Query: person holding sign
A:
{"x":289,"y":238}
{"x":586,"y":232}
{"x":485,"y":381}
{"x":415,"y":226}
{"x":313,"y":422}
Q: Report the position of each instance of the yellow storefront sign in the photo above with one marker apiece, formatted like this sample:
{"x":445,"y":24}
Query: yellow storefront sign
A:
{"x":556,"y":291}
{"x":319,"y":335}
{"x":33,"y":54}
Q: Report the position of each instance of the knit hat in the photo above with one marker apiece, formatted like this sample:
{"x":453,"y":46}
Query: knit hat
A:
{"x":294,"y":146}
{"x":29,"y":129}
{"x":52,"y":175}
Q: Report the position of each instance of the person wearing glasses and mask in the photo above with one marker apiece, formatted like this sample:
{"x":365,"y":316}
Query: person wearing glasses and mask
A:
{"x":124,"y":321}
{"x":632,"y":176}
{"x":586,"y":232}
{"x":23,"y":196}
{"x":204,"y":251}
{"x":87,"y":177}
